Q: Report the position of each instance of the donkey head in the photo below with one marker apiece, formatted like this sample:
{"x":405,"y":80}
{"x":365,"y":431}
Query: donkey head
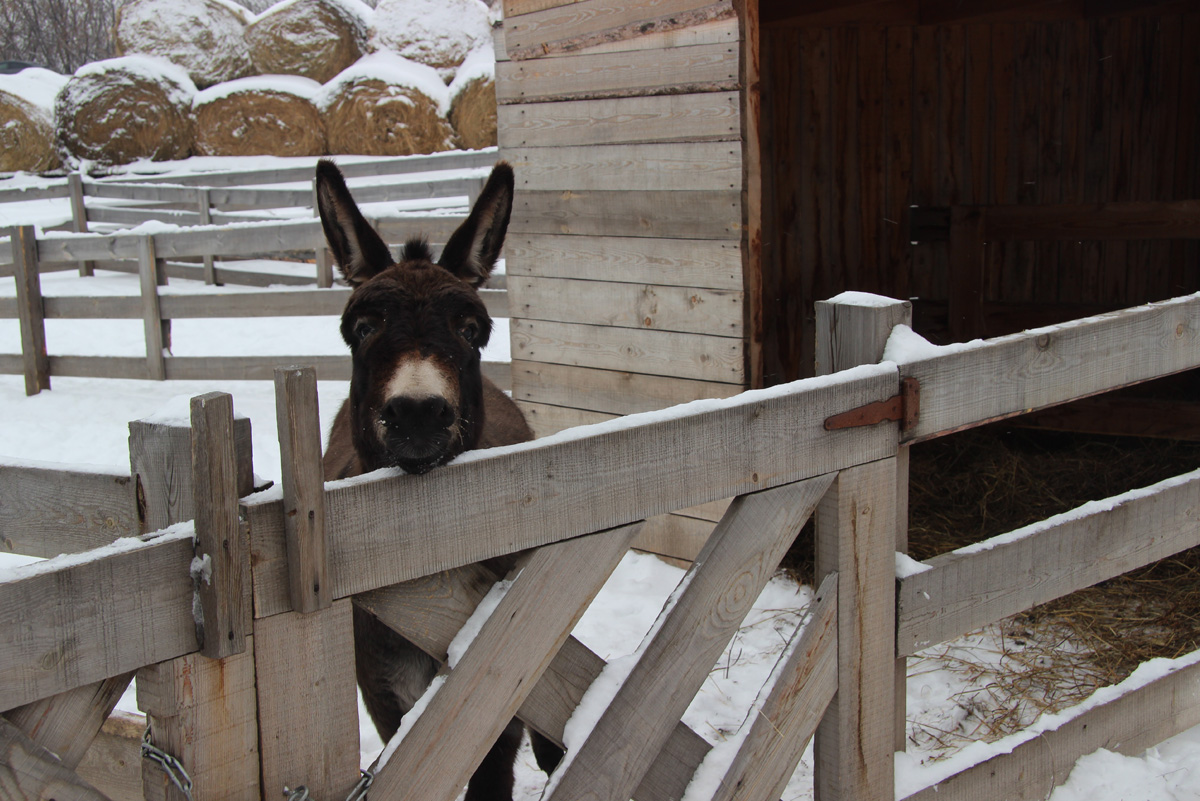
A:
{"x":415,"y":328}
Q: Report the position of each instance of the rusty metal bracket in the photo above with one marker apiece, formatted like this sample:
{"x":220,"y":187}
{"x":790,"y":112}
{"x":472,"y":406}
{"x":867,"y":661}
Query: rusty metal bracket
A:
{"x":904,"y":408}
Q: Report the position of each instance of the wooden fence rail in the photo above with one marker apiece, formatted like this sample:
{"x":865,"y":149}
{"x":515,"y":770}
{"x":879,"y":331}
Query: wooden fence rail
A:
{"x":406,"y":548}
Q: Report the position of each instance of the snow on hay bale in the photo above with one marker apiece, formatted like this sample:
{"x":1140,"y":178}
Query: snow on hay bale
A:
{"x":439,"y":33}
{"x":473,"y":100}
{"x":262,"y":115}
{"x":27,"y":120}
{"x":385,"y":105}
{"x":206,"y":38}
{"x":124,"y":109}
{"x":314,"y":38}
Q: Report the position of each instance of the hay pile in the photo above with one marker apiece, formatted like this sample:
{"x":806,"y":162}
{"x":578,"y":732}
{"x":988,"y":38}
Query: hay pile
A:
{"x":270,"y":115}
{"x":473,"y":100}
{"x":313,"y":38}
{"x":385,"y":105}
{"x":438,"y":33}
{"x":27,"y":120}
{"x":124,"y":109}
{"x":205,"y":37}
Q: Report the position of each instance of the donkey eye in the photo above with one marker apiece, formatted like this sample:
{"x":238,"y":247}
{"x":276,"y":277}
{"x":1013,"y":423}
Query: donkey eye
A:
{"x":363,"y":328}
{"x":469,"y":331}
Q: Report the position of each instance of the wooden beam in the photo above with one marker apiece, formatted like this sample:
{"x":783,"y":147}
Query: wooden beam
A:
{"x":29,"y":309}
{"x":67,"y":723}
{"x":29,"y":772}
{"x":736,"y":563}
{"x":157,"y":330}
{"x":45,"y":510}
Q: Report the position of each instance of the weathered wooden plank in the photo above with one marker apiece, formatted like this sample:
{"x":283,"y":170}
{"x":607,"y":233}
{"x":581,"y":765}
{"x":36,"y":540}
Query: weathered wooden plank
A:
{"x":705,"y":116}
{"x":506,"y":659}
{"x":711,"y":263}
{"x":35,"y":362}
{"x":1042,"y":367}
{"x":971,"y":587}
{"x":787,"y":718}
{"x":113,"y":765}
{"x":736,"y":563}
{"x":203,"y":712}
{"x":303,"y":484}
{"x":675,"y":535}
{"x":118,"y":621}
{"x":53,"y":190}
{"x":591,"y":22}
{"x":666,"y":214}
{"x":513,"y":8}
{"x":717,"y":31}
{"x":395,"y":527}
{"x":680,"y":70}
{"x":305,"y":675}
{"x":67,"y":723}
{"x":612,"y":392}
{"x":157,"y":332}
{"x":545,"y":419}
{"x":47,"y":510}
{"x":79,"y":216}
{"x":696,"y":356}
{"x":29,"y":772}
{"x":654,"y":307}
{"x":1129,"y":723}
{"x":711,"y":166}
{"x":856,"y":535}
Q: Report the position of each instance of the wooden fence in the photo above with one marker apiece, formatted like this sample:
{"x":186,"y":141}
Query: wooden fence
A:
{"x":233,"y":694}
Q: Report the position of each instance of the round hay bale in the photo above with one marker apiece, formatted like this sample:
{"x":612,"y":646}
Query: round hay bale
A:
{"x":263,"y":115}
{"x":385,"y":105}
{"x":124,"y":109}
{"x":438,"y":33}
{"x":314,"y":38}
{"x":473,"y":100}
{"x":27,"y":120}
{"x":205,"y":37}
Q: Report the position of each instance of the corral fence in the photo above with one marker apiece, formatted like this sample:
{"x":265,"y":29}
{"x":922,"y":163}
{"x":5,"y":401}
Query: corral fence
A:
{"x":255,"y":692}
{"x":190,"y":252}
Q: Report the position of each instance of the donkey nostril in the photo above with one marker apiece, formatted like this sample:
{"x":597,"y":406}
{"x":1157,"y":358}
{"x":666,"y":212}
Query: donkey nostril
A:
{"x":417,"y":414}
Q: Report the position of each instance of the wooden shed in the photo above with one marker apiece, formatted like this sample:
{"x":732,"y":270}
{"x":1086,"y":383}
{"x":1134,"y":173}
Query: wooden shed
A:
{"x":693,"y":176}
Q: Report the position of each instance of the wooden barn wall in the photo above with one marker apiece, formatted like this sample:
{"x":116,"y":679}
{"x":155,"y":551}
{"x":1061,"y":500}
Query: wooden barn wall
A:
{"x":624,"y":254}
{"x":860,"y":122}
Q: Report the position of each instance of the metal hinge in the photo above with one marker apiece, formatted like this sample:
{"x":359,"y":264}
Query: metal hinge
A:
{"x":904,"y":407}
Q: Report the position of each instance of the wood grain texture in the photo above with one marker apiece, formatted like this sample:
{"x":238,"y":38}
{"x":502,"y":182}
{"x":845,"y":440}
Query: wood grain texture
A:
{"x":303,"y":482}
{"x":500,"y":668}
{"x":29,"y":772}
{"x":45,"y":511}
{"x":680,"y":70}
{"x":67,"y":723}
{"x":113,"y":765}
{"x":856,"y":535}
{"x":590,"y":22}
{"x":668,"y":353}
{"x":675,"y":535}
{"x":545,"y":419}
{"x":962,"y":592}
{"x":736,"y":563}
{"x":204,"y":712}
{"x":683,"y":214}
{"x":35,"y":362}
{"x":782,"y":723}
{"x":79,"y":218}
{"x":87,"y":622}
{"x":385,"y":525}
{"x":704,"y":116}
{"x":711,"y":263}
{"x":1128,"y":724}
{"x":305,"y":676}
{"x":1023,"y":372}
{"x":849,"y":334}
{"x":156,"y":331}
{"x":654,"y":307}
{"x":638,"y":167}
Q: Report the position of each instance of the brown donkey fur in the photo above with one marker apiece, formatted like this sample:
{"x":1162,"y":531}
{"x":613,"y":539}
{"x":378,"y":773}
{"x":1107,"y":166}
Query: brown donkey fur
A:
{"x":417,"y":400}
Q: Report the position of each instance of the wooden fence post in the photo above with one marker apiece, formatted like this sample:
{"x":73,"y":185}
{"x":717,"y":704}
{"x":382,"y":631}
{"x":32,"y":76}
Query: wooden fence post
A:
{"x":303,"y":487}
{"x":79,"y":216}
{"x":305,"y":659}
{"x":204,"y":206}
{"x":859,"y":524}
{"x":201,"y":711}
{"x":158,"y":330}
{"x":30,"y":311}
{"x":851,"y":333}
{"x":321,"y":253}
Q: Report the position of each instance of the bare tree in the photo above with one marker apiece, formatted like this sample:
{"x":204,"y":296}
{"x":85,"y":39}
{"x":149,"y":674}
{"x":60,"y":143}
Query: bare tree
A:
{"x":59,"y":34}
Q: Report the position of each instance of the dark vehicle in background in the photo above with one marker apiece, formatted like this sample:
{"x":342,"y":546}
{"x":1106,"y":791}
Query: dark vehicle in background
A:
{"x":12,"y":67}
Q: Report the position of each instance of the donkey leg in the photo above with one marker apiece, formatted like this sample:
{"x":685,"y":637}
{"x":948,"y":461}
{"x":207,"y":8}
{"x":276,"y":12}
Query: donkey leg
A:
{"x":493,"y":779}
{"x":547,"y":754}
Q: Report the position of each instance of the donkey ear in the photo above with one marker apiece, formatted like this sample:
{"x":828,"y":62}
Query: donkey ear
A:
{"x":472,"y":250}
{"x":358,"y":250}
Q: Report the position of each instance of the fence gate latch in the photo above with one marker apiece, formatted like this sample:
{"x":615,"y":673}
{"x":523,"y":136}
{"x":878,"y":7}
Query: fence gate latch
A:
{"x":904,"y":407}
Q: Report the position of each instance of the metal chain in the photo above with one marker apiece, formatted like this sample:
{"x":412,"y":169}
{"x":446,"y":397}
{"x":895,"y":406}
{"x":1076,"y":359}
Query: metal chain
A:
{"x":169,"y":764}
{"x":359,"y":793}
{"x":299,"y":794}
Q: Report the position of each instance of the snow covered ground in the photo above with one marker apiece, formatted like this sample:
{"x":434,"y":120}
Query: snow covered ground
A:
{"x":84,"y":421}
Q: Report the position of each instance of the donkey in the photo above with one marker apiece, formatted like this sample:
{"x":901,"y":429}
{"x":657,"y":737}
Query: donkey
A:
{"x":417,"y":400}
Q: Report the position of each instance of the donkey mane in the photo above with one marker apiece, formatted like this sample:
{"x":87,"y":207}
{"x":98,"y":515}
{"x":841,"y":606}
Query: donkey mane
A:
{"x":416,"y":249}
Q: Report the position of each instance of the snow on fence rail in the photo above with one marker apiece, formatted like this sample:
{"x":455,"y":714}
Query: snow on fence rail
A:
{"x":407,"y":548}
